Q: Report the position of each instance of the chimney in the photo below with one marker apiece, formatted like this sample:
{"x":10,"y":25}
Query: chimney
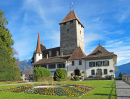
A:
{"x":61,"y":54}
{"x":47,"y":56}
{"x":57,"y":53}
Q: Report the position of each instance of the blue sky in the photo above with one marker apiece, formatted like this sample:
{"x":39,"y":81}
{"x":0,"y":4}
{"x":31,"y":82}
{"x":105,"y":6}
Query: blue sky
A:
{"x":104,"y":20}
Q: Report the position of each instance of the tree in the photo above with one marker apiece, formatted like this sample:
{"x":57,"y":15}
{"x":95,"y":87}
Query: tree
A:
{"x":120,"y":74}
{"x":9,"y":71}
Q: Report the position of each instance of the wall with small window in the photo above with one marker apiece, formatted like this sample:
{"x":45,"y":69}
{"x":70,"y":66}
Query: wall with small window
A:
{"x":105,"y":65}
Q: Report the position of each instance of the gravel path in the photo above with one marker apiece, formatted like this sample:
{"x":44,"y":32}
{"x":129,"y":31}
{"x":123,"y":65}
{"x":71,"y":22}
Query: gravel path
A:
{"x":123,"y":90}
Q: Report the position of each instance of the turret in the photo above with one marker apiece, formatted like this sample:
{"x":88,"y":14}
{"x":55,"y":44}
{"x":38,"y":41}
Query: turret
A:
{"x":38,"y":52}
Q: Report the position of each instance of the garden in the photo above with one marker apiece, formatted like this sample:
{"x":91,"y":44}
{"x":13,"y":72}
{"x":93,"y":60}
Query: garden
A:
{"x":101,"y":89}
{"x":69,"y":90}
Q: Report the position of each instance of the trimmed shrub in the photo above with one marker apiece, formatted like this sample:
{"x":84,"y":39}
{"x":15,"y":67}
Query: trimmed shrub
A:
{"x":108,"y":76}
{"x":79,"y":74}
{"x":60,"y":75}
{"x":118,"y":78}
{"x":90,"y":77}
{"x":76,"y":78}
{"x":83,"y":72}
{"x":40,"y":72}
{"x":72,"y":74}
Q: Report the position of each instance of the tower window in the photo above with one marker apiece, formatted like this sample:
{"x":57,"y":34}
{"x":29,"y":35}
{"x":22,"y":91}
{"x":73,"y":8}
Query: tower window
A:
{"x":80,"y":32}
{"x":71,"y":21}
{"x":64,"y":23}
{"x":67,"y":30}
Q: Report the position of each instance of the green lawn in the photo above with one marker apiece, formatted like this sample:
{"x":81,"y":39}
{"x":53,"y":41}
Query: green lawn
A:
{"x":101,"y":92}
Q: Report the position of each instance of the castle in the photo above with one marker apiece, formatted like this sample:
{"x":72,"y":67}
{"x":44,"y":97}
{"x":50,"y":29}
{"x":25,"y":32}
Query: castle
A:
{"x":71,"y":53}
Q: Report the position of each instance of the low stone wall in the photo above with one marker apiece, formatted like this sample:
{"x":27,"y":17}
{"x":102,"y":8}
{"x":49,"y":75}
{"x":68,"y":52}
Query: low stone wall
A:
{"x":126,"y":79}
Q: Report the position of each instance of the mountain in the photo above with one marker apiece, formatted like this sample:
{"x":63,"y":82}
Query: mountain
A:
{"x":27,"y":61}
{"x":25,"y":64}
{"x":125,"y":68}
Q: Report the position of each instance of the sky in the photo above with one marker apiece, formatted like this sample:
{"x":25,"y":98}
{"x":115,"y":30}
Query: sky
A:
{"x":104,"y":20}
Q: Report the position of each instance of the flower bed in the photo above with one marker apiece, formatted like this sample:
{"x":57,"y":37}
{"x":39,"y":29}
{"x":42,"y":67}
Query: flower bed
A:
{"x":62,"y":90}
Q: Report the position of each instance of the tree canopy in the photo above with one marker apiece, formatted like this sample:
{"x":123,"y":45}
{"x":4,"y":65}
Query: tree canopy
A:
{"x":8,"y":69}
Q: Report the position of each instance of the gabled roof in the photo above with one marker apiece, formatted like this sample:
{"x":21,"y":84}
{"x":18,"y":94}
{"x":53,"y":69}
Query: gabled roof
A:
{"x":70,"y":16}
{"x":100,"y":52}
{"x":38,"y":50}
{"x":50,"y":60}
{"x":77,"y":54}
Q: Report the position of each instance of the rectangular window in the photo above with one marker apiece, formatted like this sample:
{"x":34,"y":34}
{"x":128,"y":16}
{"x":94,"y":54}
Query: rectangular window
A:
{"x":91,"y":64}
{"x":51,"y":66}
{"x":60,"y":65}
{"x":92,"y":72}
{"x":105,"y":63}
{"x":72,"y":63}
{"x":50,"y":54}
{"x":99,"y":63}
{"x":105,"y":71}
{"x":45,"y":66}
{"x":80,"y":62}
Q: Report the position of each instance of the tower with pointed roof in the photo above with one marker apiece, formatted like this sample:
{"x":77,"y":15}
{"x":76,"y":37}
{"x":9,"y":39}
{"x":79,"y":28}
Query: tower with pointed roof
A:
{"x":38,"y":52}
{"x":71,"y":34}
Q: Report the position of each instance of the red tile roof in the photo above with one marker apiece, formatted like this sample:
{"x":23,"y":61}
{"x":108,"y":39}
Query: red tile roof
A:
{"x":100,"y":53}
{"x":77,"y":54}
{"x":70,"y":16}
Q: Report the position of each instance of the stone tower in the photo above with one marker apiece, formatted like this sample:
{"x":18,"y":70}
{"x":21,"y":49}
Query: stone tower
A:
{"x":71,"y":34}
{"x":38,"y":52}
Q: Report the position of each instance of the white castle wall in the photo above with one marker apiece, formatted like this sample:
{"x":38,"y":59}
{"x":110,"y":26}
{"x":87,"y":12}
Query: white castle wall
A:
{"x":76,"y":65}
{"x":37,"y":57}
{"x":110,"y":67}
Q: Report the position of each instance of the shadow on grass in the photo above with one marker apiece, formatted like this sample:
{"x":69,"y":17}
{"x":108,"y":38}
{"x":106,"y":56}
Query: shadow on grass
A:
{"x":104,"y":94}
{"x":109,"y":95}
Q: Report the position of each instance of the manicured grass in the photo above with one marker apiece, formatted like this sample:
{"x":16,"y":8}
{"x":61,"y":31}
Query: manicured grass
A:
{"x":88,"y":82}
{"x":101,"y":92}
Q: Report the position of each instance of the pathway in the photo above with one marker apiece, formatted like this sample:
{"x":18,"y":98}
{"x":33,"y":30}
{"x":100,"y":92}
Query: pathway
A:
{"x":122,"y":89}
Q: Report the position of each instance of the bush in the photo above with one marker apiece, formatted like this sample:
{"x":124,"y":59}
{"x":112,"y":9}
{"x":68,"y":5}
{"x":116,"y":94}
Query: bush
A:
{"x":40,"y":72}
{"x":120,"y":75}
{"x":83,"y":72}
{"x":76,"y":78}
{"x":90,"y":77}
{"x":108,"y":76}
{"x":118,"y":78}
{"x":79,"y":74}
{"x":60,"y":75}
{"x":72,"y":74}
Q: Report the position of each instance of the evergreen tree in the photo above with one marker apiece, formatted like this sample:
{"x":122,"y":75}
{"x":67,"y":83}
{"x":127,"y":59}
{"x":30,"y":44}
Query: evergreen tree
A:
{"x":120,"y":75}
{"x":8,"y":69}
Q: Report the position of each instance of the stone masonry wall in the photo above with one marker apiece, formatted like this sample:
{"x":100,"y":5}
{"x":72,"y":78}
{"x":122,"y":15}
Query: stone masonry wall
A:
{"x":70,"y":37}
